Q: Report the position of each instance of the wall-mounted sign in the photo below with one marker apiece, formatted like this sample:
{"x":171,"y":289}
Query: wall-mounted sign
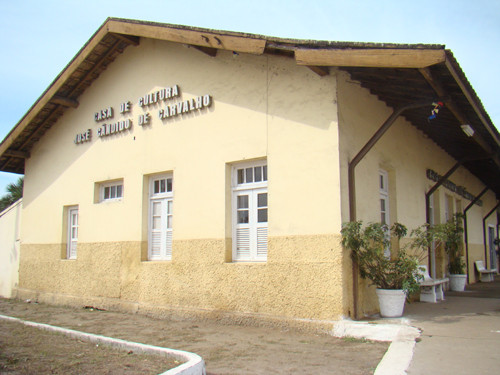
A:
{"x":150,"y":99}
{"x":117,"y":127}
{"x":159,"y":96}
{"x":460,"y":190}
{"x":185,"y":106}
{"x":103,"y":114}
{"x":83,"y":137}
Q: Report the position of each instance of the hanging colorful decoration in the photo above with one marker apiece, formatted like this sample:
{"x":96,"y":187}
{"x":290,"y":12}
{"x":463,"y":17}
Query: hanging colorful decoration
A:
{"x":435,"y":110}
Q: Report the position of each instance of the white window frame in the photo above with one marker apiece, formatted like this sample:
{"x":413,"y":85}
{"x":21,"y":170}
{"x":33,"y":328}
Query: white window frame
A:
{"x":115,"y":189}
{"x":385,"y":210}
{"x":160,"y":196}
{"x":250,"y":238}
{"x":72,"y":232}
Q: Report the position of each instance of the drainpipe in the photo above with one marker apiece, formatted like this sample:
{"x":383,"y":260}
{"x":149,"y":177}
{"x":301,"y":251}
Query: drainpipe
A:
{"x":352,"y":182}
{"x":466,"y":234}
{"x":498,"y":246}
{"x":431,"y":262}
{"x":484,"y":233}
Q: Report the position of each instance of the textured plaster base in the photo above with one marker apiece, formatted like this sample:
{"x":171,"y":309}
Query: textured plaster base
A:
{"x":302,"y":278}
{"x":174,"y":312}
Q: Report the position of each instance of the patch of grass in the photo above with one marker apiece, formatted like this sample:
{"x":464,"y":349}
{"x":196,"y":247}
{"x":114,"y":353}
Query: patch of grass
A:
{"x":355,"y":340}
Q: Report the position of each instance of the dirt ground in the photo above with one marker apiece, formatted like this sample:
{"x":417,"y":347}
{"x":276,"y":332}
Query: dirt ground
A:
{"x":226,"y":349}
{"x":30,"y":350}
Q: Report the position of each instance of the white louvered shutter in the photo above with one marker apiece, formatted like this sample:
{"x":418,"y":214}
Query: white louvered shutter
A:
{"x":160,"y":240}
{"x":251,"y":225}
{"x":261,"y":223}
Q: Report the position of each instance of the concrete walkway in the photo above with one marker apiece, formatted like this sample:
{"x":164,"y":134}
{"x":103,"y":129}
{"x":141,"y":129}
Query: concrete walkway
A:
{"x":460,"y":335}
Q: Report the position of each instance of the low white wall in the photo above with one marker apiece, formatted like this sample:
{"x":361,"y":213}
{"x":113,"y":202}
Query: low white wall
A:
{"x":10,"y":220}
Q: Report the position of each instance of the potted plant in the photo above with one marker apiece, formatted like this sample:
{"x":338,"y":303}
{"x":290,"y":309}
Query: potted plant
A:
{"x":396,"y":276}
{"x":449,"y":235}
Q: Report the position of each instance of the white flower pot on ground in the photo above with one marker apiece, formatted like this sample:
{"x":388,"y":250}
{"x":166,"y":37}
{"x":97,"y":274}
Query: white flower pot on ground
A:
{"x":391,"y":302}
{"x":457,"y":282}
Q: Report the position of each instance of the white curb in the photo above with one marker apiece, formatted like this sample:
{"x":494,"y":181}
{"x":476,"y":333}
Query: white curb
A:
{"x":398,"y":357}
{"x":194,"y":364}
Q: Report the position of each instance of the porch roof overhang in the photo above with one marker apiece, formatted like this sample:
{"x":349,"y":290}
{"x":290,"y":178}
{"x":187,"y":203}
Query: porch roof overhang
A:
{"x":397,"y":74}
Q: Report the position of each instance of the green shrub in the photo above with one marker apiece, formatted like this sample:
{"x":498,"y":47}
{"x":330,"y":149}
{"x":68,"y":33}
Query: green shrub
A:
{"x":368,"y":247}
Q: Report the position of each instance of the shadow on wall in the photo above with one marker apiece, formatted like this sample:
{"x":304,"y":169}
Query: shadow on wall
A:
{"x":273,"y":86}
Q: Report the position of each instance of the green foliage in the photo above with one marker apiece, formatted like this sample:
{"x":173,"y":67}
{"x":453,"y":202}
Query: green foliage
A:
{"x":367,"y":247}
{"x":450,"y":235}
{"x":14,"y":193}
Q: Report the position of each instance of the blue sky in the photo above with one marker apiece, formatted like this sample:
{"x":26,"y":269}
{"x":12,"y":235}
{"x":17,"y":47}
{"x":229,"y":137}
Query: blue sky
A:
{"x":40,"y":37}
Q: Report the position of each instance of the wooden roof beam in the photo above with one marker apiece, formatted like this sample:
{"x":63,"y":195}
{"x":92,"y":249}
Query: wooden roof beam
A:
{"x":66,"y":102}
{"x":319,"y":70}
{"x":470,"y":99}
{"x":441,"y":92}
{"x":35,"y":132}
{"x":212,"y":52}
{"x":462,"y":119}
{"x":129,"y":39}
{"x":201,"y":38}
{"x":373,"y":58}
{"x":96,"y":66}
{"x":17,"y":154}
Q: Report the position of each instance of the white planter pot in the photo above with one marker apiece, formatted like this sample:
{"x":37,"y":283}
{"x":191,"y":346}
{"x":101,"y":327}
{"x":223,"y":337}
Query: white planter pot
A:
{"x":457,"y":282}
{"x":391,"y":302}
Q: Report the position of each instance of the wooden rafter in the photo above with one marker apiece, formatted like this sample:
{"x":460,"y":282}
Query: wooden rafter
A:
{"x":17,"y":154}
{"x":469,"y":97}
{"x":82,"y":80}
{"x":129,"y":39}
{"x":441,"y":92}
{"x":319,"y":70}
{"x":212,"y":52}
{"x":96,"y":66}
{"x":189,"y":36}
{"x":66,"y":102}
{"x":462,"y":119}
{"x":40,"y":126}
{"x":61,"y":101}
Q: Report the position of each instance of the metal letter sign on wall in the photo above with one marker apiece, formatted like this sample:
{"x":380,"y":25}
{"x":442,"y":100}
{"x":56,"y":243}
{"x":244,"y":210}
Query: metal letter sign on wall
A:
{"x":460,"y":190}
{"x":155,"y":98}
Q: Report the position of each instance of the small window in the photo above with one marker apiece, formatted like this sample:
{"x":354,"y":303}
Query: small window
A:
{"x":162,"y":185}
{"x":251,"y":175}
{"x":111,"y":191}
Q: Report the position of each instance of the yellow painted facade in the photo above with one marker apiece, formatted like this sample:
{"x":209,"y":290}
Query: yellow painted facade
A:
{"x":262,"y":107}
{"x":258,"y":112}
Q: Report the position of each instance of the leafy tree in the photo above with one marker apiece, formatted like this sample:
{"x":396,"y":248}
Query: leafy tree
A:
{"x":14,"y":193}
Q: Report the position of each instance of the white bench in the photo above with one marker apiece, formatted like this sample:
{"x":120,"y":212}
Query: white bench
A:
{"x":431,"y":290}
{"x":485,"y":275}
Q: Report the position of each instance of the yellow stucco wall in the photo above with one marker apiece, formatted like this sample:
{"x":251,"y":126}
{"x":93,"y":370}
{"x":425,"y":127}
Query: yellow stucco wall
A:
{"x":10,"y":225}
{"x":263,"y":107}
{"x":405,"y":153}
